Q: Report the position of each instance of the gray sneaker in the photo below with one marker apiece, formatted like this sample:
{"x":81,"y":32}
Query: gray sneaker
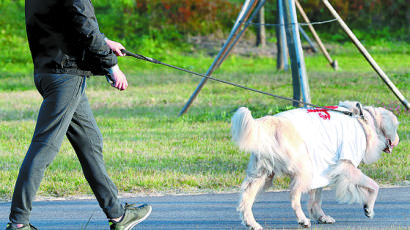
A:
{"x":133,"y":215}
{"x":25,"y":227}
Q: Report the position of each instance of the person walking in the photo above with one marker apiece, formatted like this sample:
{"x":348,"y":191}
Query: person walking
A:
{"x":67,"y":47}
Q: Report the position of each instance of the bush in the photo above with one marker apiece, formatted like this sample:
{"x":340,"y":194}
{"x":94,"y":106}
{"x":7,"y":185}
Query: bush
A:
{"x":375,"y":19}
{"x":169,"y":20}
{"x":153,"y":25}
{"x":378,"y":18}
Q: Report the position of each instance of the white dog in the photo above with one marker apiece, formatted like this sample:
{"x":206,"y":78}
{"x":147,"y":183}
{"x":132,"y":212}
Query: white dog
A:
{"x":316,"y":148}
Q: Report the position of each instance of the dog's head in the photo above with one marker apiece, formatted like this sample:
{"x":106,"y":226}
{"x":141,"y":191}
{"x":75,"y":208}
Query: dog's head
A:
{"x":385,"y":136}
{"x":380,"y":126}
{"x":386,"y":126}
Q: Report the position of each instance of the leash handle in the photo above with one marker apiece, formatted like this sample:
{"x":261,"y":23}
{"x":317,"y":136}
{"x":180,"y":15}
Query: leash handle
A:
{"x":109,"y":79}
{"x":139,"y":56}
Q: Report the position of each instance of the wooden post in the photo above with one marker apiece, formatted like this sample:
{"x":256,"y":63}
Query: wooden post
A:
{"x":299,"y":76}
{"x":238,"y":37}
{"x":243,"y":16}
{"x":316,"y":37}
{"x":368,"y":57}
{"x":261,"y":34}
{"x":282,"y":55}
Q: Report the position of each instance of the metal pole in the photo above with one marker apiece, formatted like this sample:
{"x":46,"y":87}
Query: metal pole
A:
{"x":312,"y":45}
{"x":244,"y":14}
{"x":282,"y":55}
{"x":299,"y":76}
{"x":368,"y":57}
{"x":316,"y":37}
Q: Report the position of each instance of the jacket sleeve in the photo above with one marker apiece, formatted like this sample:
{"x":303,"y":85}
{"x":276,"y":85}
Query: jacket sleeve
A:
{"x":98,"y":57}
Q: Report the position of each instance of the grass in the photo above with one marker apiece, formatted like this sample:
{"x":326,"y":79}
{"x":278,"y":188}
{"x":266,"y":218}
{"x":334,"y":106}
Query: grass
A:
{"x":148,"y":148}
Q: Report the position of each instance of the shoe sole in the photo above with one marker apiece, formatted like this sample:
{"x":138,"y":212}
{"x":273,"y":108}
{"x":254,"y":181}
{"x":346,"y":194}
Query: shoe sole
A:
{"x":140,"y":220}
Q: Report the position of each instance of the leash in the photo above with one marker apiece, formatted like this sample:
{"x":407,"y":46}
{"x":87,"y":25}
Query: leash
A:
{"x":152,"y":60}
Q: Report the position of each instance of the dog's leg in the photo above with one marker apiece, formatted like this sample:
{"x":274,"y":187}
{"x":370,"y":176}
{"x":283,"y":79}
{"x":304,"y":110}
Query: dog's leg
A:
{"x":295,"y":195}
{"x":250,"y":188}
{"x":353,"y":186}
{"x":315,"y":207}
{"x":311,"y":204}
{"x":373,"y":189}
{"x":268,"y":181}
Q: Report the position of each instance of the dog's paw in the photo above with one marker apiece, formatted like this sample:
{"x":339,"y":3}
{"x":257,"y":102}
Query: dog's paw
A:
{"x":255,"y":226}
{"x":369,"y":213}
{"x":305,"y":223}
{"x":326,"y":220}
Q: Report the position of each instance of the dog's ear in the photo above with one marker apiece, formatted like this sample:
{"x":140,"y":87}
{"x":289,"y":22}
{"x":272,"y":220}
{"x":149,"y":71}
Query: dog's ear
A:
{"x":353,"y":106}
{"x":358,"y":110}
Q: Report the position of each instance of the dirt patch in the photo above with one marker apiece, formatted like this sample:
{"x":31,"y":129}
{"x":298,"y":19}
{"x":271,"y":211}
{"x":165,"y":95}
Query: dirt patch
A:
{"x":244,"y":47}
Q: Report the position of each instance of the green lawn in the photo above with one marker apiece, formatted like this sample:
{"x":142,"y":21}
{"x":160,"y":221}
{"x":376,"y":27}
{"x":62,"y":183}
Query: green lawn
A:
{"x":148,"y":148}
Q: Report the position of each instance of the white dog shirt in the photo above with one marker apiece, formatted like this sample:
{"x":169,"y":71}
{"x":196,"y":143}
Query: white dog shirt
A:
{"x":329,"y":137}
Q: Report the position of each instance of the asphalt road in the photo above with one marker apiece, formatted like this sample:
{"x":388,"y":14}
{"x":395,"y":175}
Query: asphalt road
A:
{"x":217,"y":211}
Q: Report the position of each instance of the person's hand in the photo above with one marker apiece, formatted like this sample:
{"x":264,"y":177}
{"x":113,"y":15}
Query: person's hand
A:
{"x":120,"y":81}
{"x":115,"y":46}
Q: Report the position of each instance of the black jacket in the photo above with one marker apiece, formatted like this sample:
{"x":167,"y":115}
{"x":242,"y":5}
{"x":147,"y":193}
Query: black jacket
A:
{"x":64,"y":37}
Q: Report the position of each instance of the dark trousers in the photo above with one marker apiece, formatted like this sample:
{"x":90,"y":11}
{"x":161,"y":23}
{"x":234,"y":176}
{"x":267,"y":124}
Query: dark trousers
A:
{"x":65,"y":111}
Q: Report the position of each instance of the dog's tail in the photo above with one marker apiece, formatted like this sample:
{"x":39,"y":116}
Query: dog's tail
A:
{"x":243,"y":129}
{"x":341,"y":177}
